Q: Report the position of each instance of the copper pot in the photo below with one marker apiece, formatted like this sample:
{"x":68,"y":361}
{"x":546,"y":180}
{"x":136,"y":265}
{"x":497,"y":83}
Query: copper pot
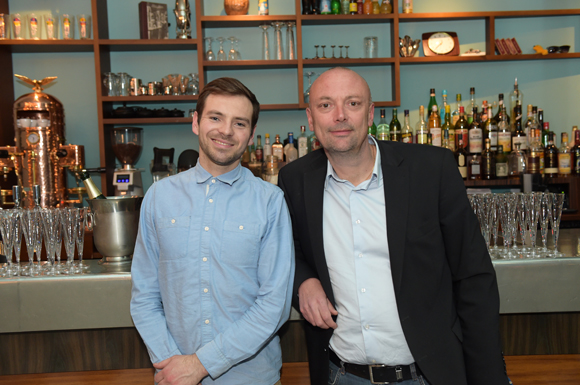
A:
{"x":236,"y":7}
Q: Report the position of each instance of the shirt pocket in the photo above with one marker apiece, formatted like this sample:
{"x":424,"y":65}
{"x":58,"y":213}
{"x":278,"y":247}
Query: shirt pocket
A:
{"x":173,"y":237}
{"x":239,"y":243}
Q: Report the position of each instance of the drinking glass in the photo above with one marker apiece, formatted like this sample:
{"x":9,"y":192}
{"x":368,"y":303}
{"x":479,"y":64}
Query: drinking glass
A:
{"x":237,"y":53}
{"x":290,"y":46}
{"x":522,"y":221}
{"x":69,"y":228}
{"x":67,"y":26}
{"x":545,"y":217}
{"x":50,"y":220}
{"x":4,"y":26}
{"x":80,"y":238}
{"x":58,"y":242}
{"x":209,"y":55}
{"x":50,"y":24}
{"x":265,"y":43}
{"x":307,"y":92}
{"x":17,"y":240}
{"x":278,"y":43}
{"x":111,"y":82}
{"x":494,"y":222}
{"x":232,"y":51}
{"x":17,"y":25}
{"x":533,"y":202}
{"x":557,"y":206}
{"x":84,"y":26}
{"x":28,"y":221}
{"x":371,"y":47}
{"x":33,"y":26}
{"x":7,"y":224}
{"x":221,"y":55}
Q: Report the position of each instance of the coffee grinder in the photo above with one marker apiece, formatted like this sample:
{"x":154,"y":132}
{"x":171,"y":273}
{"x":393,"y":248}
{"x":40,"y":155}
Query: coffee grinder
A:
{"x":127,"y":146}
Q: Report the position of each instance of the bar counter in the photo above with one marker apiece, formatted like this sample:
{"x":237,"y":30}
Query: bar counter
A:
{"x":97,"y":303}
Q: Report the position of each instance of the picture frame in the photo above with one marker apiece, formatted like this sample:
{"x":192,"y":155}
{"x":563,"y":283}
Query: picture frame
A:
{"x":153,"y":21}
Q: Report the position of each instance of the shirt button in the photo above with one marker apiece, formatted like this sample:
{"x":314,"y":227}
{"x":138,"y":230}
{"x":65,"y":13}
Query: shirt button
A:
{"x":206,"y":228}
{"x":241,"y":227}
{"x":213,"y":181}
{"x":360,"y":255}
{"x":357,"y":221}
{"x":211,"y":201}
{"x":205,"y":290}
{"x":173,"y":221}
{"x":207,"y":322}
{"x":367,"y":327}
{"x":204,"y":259}
{"x":363,"y":290}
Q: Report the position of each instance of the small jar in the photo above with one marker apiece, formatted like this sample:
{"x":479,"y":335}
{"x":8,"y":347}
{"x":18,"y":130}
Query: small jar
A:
{"x":270,"y":172}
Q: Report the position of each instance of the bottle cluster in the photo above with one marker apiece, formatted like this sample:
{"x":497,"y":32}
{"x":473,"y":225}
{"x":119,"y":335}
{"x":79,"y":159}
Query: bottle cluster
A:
{"x":490,"y":143}
{"x":349,"y":7}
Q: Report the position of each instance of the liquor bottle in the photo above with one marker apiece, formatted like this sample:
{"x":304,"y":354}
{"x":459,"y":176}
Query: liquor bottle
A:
{"x":444,"y":103}
{"x":445,"y":141}
{"x":516,"y":98}
{"x":517,"y":163}
{"x":540,"y":119}
{"x":435,"y":126}
{"x":472,"y":105}
{"x":278,"y":149}
{"x":287,"y":140}
{"x":407,"y":135}
{"x":373,"y":130}
{"x":429,"y":139}
{"x":449,"y":128}
{"x":501,"y":163}
{"x":335,"y":7}
{"x":368,"y":7}
{"x":259,"y":150}
{"x":483,"y":115}
{"x":421,"y":128}
{"x":359,"y":7}
{"x":475,"y":135}
{"x":92,"y":190}
{"x":302,"y":142}
{"x":290,"y":152}
{"x":551,"y":158}
{"x":455,"y":113}
{"x":532,"y":121}
{"x":487,"y":162}
{"x":353,"y":7}
{"x":490,"y":130}
{"x":500,"y":110}
{"x":383,"y":132}
{"x":575,"y":152}
{"x":473,"y":168}
{"x":432,"y":102}
{"x":504,"y":132}
{"x":253,"y":156}
{"x":395,"y":127}
{"x":246,"y":156}
{"x":407,"y":6}
{"x":528,"y":121}
{"x":325,"y":7}
{"x":267,"y":147}
{"x":314,"y":9}
{"x":537,"y":150}
{"x":344,"y":7}
{"x":545,"y":133}
{"x":376,"y":7}
{"x":386,"y":7}
{"x":461,"y":157}
{"x":564,"y":157}
{"x":306,"y":7}
{"x":462,"y":128}
{"x":518,"y":135}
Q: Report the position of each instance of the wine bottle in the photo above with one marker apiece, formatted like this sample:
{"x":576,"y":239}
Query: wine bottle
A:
{"x":461,"y":157}
{"x":435,"y":126}
{"x":475,"y":135}
{"x":395,"y":127}
{"x":407,"y":135}
{"x":92,"y":190}
{"x":564,"y":157}
{"x":551,"y":158}
{"x":421,"y":129}
{"x":383,"y":127}
{"x":449,"y":128}
{"x":487,"y":162}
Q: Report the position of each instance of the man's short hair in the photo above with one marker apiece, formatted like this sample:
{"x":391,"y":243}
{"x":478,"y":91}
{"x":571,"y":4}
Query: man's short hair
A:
{"x":227,"y":86}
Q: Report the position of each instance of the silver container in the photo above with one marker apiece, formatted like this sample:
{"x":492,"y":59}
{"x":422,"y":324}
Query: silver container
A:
{"x":115,"y":222}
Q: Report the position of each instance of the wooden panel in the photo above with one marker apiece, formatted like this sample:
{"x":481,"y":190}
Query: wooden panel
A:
{"x":293,"y":342}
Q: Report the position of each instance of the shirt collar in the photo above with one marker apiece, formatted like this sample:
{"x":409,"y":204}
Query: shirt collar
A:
{"x":377,"y":171}
{"x":202,"y":176}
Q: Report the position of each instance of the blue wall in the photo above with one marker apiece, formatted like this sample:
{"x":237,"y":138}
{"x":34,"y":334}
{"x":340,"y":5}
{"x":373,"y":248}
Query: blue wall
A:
{"x":550,"y":84}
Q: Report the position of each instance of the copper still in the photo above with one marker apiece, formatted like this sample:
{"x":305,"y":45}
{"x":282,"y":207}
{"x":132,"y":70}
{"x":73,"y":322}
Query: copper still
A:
{"x":40,"y":156}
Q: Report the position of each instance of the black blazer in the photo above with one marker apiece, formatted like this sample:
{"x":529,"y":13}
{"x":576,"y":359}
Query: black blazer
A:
{"x":444,"y":281}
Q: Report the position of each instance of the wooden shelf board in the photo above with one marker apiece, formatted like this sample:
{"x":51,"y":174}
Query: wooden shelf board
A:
{"x":348,"y":62}
{"x":149,"y":45}
{"x":532,"y":56}
{"x":391,"y":103}
{"x":147,"y":98}
{"x":447,"y":59}
{"x":344,"y":19}
{"x":242,"y":20}
{"x":131,"y":121}
{"x":435,"y":16}
{"x":249,"y":64}
{"x":492,"y":183}
{"x":32,"y":46}
{"x":273,"y":107}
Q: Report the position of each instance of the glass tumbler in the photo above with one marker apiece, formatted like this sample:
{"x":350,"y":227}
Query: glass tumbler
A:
{"x":17,"y":24}
{"x":111,"y":82}
{"x":4,"y":26}
{"x":33,"y":26}
{"x":371,"y":49}
{"x":50,"y":23}
{"x":67,"y":27}
{"x":84,"y":26}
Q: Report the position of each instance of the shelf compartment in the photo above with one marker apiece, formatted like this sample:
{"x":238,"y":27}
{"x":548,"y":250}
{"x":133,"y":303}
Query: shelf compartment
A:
{"x":242,"y":20}
{"x":147,"y":98}
{"x":345,"y":19}
{"x":33,"y":46}
{"x":347,"y":62}
{"x":250,"y":64}
{"x":148,"y":44}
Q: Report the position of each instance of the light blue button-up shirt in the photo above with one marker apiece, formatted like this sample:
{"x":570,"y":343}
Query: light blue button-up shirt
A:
{"x":212,"y":273}
{"x":355,"y":244}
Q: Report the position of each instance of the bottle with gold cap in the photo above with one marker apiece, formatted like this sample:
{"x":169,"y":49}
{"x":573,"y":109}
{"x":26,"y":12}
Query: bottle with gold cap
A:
{"x":92,"y":190}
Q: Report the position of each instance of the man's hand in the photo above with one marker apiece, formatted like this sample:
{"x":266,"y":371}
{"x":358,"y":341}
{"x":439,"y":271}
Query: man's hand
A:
{"x":180,"y":370}
{"x":315,"y":306}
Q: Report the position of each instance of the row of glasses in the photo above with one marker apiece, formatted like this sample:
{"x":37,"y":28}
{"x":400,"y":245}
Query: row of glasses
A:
{"x":233,"y":53}
{"x":33,"y":26}
{"x":53,"y":225}
{"x":519,"y":213}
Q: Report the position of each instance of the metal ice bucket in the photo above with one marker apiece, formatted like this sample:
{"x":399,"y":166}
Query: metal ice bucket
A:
{"x":115,"y":222}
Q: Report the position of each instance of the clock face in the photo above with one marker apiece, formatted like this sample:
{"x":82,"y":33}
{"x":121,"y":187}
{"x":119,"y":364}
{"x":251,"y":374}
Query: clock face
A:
{"x":441,"y":43}
{"x":33,"y":138}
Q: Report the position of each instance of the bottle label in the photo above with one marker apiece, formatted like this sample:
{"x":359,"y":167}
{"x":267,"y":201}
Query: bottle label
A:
{"x":551,"y":170}
{"x":501,"y":170}
{"x":475,"y":141}
{"x":505,"y":139}
{"x":259,"y":154}
{"x":534,"y":163}
{"x":541,"y":162}
{"x":407,"y":137}
{"x":422,"y":139}
{"x":325,"y":6}
{"x":383,"y":135}
{"x":475,"y":169}
{"x":564,"y":165}
{"x":302,"y":147}
{"x":493,"y":139}
{"x":461,"y":160}
{"x":353,"y":7}
{"x":436,"y":136}
{"x":522,"y":140}
{"x":463,"y":171}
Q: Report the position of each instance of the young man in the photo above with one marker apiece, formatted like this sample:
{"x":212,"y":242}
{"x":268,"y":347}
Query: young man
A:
{"x":392,"y":273}
{"x":214,"y":260}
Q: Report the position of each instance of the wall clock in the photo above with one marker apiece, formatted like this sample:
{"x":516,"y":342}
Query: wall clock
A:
{"x":440,"y":44}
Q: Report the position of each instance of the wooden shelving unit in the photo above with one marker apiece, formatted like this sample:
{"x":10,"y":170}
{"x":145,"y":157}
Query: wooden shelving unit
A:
{"x":102,"y":46}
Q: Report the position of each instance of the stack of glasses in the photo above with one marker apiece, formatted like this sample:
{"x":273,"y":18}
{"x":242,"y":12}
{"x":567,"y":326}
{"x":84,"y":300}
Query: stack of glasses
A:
{"x":519,"y":214}
{"x":54,"y":226}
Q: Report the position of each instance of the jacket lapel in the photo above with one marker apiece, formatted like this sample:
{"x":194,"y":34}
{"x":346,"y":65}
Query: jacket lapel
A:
{"x":396,"y":185}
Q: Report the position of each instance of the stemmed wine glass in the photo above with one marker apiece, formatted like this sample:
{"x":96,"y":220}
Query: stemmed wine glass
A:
{"x":278,"y":44}
{"x":81,"y":223}
{"x":7,"y":224}
{"x":523,"y":220}
{"x":69,"y":227}
{"x":557,"y":206}
{"x":265,"y":42}
{"x":307,"y":92}
{"x":221,"y":55}
{"x":232,"y":51}
{"x":58,"y":241}
{"x":533,"y":202}
{"x":29,"y":222}
{"x":209,"y":55}
{"x":238,"y":54}
{"x":50,"y":220}
{"x":545,"y":218}
{"x":290,"y":49}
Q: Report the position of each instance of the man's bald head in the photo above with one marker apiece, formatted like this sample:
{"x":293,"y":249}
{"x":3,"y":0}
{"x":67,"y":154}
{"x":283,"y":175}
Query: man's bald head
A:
{"x":331,"y":74}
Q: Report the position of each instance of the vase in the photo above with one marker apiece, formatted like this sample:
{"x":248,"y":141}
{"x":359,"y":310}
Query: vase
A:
{"x":236,"y":7}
